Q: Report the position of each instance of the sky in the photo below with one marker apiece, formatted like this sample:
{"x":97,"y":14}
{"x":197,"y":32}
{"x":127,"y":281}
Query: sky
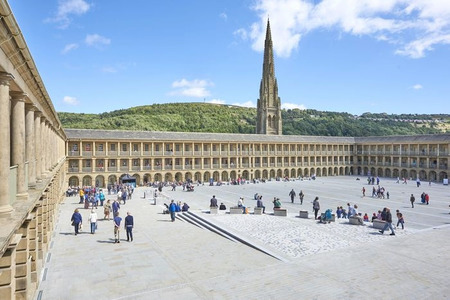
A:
{"x":354,"y":56}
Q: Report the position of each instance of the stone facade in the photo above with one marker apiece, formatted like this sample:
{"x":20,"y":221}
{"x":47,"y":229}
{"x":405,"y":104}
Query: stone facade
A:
{"x":269,"y":104}
{"x":32,"y":160}
{"x":99,"y":157}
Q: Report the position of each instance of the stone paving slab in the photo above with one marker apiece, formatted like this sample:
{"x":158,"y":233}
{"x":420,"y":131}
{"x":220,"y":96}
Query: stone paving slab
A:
{"x":179,"y":260}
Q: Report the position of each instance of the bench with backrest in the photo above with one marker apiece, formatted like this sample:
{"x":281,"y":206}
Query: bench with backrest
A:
{"x":280,"y":212}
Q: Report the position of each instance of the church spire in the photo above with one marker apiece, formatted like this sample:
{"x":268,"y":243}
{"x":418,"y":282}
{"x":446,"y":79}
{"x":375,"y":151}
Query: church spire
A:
{"x":269,"y":104}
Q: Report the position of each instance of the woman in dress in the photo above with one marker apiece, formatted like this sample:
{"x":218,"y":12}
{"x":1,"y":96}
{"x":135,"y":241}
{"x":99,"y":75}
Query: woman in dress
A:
{"x":107,"y":209}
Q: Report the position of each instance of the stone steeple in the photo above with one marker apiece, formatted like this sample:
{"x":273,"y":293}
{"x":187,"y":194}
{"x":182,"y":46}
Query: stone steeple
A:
{"x":269,"y":104}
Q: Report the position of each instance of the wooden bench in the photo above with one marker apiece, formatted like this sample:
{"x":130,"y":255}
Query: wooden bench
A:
{"x":378,"y":224}
{"x":333,"y":217}
{"x":355,"y":221}
{"x":214,"y":210}
{"x":257,"y":211}
{"x":280,"y":212}
{"x":236,"y":210}
{"x":303,"y":214}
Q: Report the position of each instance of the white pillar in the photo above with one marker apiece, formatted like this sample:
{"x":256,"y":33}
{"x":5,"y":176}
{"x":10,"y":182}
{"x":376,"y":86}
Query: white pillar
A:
{"x":18,"y":141}
{"x":38,"y":145}
{"x":30,"y":153}
{"x":5,"y":78}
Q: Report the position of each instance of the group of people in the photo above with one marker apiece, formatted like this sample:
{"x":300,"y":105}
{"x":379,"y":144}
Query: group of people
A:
{"x":77,"y":221}
{"x":175,"y":207}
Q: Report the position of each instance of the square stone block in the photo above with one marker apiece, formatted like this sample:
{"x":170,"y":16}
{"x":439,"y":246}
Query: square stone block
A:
{"x":21,"y":284}
{"x":5,"y":276}
{"x":280,"y":212}
{"x":22,"y":245}
{"x":235,"y":210}
{"x":21,"y":270}
{"x":257,"y":211}
{"x":7,"y":259}
{"x":21,"y":257}
{"x":214,"y":210}
{"x":6,"y":292}
{"x":303,"y":214}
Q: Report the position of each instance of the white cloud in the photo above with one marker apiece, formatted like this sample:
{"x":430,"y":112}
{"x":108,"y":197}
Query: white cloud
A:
{"x":69,"y":47}
{"x":245,"y":104}
{"x":67,"y":9}
{"x":196,"y":88}
{"x":96,"y":40}
{"x":70,"y":100}
{"x":417,"y":87}
{"x":223,"y":16}
{"x":216,"y":101}
{"x":109,"y":70}
{"x":292,"y":106}
{"x":414,"y":26}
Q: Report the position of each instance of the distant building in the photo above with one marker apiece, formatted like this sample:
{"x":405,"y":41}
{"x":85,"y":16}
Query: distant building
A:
{"x":269,"y":104}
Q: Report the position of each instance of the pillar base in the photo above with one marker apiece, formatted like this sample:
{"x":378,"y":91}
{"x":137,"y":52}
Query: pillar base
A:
{"x":32,"y":185}
{"x":23,"y":196}
{"x":6,"y":208}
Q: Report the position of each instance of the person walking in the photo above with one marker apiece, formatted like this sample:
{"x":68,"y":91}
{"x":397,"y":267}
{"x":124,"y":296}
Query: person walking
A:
{"x":364,"y":191}
{"x":388,"y":222}
{"x":172,"y":210}
{"x":292,"y":194}
{"x":129,"y":224}
{"x":76,"y":220}
{"x":412,"y":199}
{"x":93,"y":221}
{"x":301,"y":196}
{"x":115,"y":207}
{"x":400,"y":219}
{"x":316,"y":207}
{"x":117,"y":221}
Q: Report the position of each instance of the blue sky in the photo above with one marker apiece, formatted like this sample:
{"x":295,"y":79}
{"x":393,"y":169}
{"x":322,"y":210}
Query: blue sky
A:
{"x":351,"y":56}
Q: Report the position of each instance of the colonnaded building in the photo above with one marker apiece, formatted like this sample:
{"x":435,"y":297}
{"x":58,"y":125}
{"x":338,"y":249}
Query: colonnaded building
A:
{"x":39,"y":159}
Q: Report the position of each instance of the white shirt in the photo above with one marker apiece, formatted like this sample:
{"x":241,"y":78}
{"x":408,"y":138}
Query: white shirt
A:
{"x":93,"y":217}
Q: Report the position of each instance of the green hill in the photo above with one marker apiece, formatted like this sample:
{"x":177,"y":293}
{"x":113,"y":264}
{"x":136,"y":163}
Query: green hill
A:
{"x":206,"y":117}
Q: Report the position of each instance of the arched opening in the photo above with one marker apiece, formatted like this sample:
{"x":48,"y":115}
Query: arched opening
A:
{"x":433,"y":176}
{"x":233,"y":175}
{"x":188,"y":176}
{"x":168,"y":177}
{"x":293,"y":173}
{"x":100,"y":181}
{"x":178,"y":177}
{"x":87,"y":180}
{"x":216,"y":176}
{"x":206,"y":176}
{"x":198,"y":176}
{"x":442,"y":175}
{"x":395,"y":173}
{"x":257,"y":174}
{"x":138,"y":179}
{"x":272,"y":173}
{"x":147,"y":178}
{"x":413,"y":174}
{"x":74,"y":181}
{"x":423,"y":174}
{"x":112,"y":179}
{"x":245,"y":175}
{"x":225,"y":176}
{"x":388,"y":173}
{"x":265,"y":174}
{"x":158,"y":177}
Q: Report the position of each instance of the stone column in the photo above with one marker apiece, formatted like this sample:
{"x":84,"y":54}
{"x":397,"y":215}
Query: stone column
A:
{"x":18,"y":141}
{"x":43,"y":151}
{"x":30,"y":153}
{"x":4,"y":142}
{"x":38,"y":146}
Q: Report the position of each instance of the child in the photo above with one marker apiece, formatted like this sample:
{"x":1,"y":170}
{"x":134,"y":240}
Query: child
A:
{"x":344,"y":213}
{"x":366,"y":218}
{"x":338,"y":212}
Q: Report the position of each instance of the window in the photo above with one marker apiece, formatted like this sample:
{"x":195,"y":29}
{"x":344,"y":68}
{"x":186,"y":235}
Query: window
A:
{"x":100,"y":147}
{"x":135,"y":147}
{"x":113,"y":147}
{"x":87,"y":147}
{"x":88,"y":163}
{"x":146,"y":147}
{"x":75,"y":147}
{"x":112,"y":162}
{"x":124,"y":147}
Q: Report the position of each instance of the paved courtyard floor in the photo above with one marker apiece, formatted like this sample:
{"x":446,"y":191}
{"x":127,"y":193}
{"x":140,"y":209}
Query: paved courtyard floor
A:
{"x":170,"y":260}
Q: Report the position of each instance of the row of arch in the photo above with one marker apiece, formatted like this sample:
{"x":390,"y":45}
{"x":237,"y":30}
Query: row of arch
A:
{"x":103,"y":180}
{"x":403,"y":173}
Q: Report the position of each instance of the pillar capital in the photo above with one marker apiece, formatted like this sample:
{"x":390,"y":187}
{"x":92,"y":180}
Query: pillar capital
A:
{"x":18,"y":96}
{"x":5,"y":78}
